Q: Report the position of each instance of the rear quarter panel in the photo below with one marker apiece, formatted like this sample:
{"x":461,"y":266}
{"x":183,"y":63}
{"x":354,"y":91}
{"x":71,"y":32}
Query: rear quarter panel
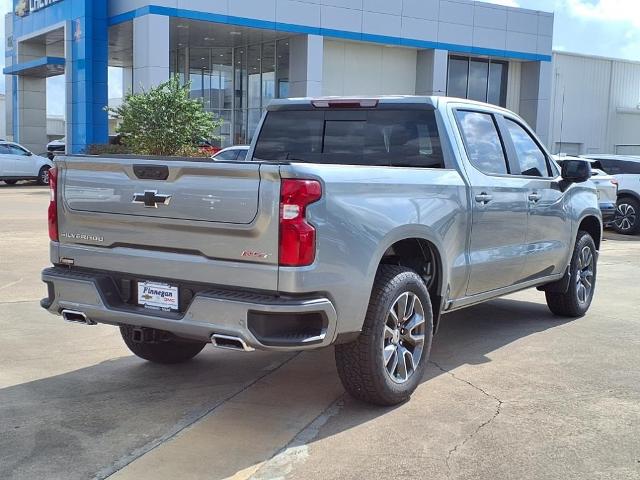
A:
{"x":364,"y":210}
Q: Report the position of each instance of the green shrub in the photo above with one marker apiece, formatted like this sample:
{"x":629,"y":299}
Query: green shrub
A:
{"x":164,"y":120}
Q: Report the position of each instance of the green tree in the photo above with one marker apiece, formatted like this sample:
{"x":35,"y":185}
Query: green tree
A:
{"x":164,"y":120}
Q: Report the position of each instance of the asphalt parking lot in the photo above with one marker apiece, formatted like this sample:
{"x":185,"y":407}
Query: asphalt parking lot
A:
{"x":511,"y":392}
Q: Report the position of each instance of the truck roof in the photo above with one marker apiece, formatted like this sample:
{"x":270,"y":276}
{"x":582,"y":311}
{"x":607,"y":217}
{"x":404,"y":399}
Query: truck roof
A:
{"x":433,"y":101}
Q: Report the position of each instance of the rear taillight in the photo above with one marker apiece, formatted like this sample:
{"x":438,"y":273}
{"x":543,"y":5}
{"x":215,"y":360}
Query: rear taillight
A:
{"x":297,"y":236}
{"x":614,"y":182}
{"x":53,"y":205}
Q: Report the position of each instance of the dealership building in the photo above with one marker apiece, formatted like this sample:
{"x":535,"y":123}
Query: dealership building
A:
{"x":240,"y":54}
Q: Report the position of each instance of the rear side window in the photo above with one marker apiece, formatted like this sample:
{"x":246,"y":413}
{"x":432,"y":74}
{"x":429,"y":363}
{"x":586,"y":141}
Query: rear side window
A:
{"x":620,"y":167}
{"x":532,"y":160}
{"x":483,"y":143}
{"x":406,"y":138}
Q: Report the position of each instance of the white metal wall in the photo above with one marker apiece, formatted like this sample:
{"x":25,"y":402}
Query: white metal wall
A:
{"x":367,"y":69}
{"x":594,"y":104}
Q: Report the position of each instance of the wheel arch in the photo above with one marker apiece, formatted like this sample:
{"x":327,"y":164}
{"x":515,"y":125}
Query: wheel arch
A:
{"x":593,"y":226}
{"x":399,"y":245}
{"x":628,"y":193}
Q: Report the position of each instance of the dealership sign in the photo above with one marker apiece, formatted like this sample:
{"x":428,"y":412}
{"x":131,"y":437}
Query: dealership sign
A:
{"x":24,"y":7}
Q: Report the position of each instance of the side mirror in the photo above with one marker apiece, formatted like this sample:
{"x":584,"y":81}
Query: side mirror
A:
{"x":576,"y":171}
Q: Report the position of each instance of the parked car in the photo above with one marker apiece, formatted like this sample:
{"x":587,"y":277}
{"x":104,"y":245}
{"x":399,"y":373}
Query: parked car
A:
{"x":59,"y":147}
{"x":626,"y":170}
{"x":606,"y":186}
{"x":237,"y":153}
{"x":356,"y":223}
{"x":56,"y":147}
{"x":207,"y":149}
{"x":17,"y":163}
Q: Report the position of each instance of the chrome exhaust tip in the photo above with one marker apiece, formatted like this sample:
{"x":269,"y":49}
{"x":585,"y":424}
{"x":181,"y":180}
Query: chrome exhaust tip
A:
{"x":230,"y":343}
{"x":73,"y":316}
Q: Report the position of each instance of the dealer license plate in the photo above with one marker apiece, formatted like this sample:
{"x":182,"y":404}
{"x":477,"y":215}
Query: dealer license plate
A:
{"x":159,"y":296}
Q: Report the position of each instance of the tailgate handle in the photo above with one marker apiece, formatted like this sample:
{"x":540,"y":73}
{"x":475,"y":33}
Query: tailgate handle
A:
{"x":151,"y":172}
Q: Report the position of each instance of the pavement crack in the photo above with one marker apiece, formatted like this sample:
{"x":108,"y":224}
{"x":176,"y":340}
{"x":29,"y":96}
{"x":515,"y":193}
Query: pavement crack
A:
{"x":461,"y":444}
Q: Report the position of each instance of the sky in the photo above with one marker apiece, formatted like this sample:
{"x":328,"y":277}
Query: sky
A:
{"x":609,"y":28}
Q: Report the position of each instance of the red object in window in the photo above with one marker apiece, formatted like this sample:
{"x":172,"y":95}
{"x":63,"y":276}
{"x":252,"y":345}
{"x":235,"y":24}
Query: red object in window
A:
{"x":53,"y":205}
{"x":297,"y":236}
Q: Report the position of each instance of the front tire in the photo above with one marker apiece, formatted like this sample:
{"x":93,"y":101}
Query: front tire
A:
{"x":385,"y":364}
{"x":627,"y":218}
{"x":164,"y":348}
{"x":582,"y":282}
{"x":43,"y":176}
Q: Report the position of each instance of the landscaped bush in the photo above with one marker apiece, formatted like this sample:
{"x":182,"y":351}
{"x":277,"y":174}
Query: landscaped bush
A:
{"x":164,"y":121}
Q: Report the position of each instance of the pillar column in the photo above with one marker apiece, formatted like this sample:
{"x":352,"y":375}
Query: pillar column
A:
{"x":306,"y":61}
{"x":535,"y":96}
{"x":431,"y":72}
{"x":150,"y":51}
{"x":87,"y":44}
{"x":32,"y":113}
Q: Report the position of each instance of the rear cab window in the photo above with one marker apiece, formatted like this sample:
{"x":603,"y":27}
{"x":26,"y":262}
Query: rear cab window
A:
{"x":530,"y":157}
{"x":377,"y":137}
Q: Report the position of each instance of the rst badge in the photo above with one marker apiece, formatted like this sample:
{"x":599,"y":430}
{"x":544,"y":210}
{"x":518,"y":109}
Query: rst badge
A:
{"x":252,"y":254}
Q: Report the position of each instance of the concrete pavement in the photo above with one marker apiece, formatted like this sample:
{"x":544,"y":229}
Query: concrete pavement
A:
{"x":511,"y":392}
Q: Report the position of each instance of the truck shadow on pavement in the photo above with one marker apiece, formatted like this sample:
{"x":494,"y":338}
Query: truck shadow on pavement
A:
{"x":100,"y":418}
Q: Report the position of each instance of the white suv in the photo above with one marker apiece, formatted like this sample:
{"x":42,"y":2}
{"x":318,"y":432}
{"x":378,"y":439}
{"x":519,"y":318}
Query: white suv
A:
{"x":18,"y":163}
{"x":626,"y":170}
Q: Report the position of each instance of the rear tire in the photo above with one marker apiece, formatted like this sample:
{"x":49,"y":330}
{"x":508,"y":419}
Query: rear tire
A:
{"x":11,"y":182}
{"x":43,"y":176}
{"x":582,"y":282}
{"x":168,"y":350}
{"x":371,"y":367}
{"x":627,"y":217}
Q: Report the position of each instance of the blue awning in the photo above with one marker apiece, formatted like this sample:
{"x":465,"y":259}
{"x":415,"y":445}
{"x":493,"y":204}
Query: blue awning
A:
{"x":40,"y":67}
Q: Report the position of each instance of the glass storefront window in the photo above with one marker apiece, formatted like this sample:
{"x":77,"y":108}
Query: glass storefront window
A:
{"x":458,"y":77}
{"x":236,"y":82}
{"x":478,"y":79}
{"x":497,"y":84}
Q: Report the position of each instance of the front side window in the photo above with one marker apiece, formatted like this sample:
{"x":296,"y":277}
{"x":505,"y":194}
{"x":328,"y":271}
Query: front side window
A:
{"x":483,"y":143}
{"x":532,"y":160}
{"x":402,"y":138}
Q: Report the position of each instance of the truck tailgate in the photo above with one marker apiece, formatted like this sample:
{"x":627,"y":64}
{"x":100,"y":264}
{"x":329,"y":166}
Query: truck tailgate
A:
{"x":222,"y":217}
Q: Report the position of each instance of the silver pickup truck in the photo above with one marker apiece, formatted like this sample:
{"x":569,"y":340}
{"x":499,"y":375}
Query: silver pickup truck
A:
{"x":354,"y":222}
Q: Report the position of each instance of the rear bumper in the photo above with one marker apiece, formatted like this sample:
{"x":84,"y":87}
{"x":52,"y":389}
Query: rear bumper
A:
{"x":608,"y":210}
{"x":253,"y":317}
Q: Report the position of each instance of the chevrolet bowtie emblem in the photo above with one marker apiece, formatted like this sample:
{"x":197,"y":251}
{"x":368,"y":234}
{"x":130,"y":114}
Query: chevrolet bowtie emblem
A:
{"x":151,"y":198}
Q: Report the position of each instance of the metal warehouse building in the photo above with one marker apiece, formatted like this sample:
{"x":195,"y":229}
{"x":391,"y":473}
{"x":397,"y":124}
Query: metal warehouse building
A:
{"x":240,"y":54}
{"x":595,"y":105}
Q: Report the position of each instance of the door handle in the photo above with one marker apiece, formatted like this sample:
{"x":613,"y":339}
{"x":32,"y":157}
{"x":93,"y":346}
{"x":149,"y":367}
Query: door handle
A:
{"x":484,"y":198}
{"x":534,"y":197}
